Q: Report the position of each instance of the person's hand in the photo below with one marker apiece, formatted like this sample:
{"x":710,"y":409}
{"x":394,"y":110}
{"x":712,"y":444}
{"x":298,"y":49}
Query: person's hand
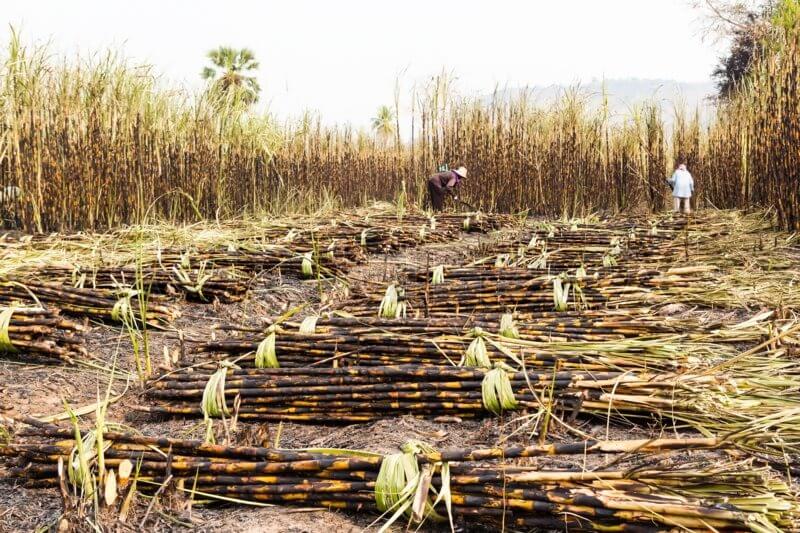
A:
{"x":455,"y":197}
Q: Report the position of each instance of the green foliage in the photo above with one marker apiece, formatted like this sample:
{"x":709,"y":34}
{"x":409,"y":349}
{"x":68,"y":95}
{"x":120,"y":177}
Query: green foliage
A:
{"x":786,"y":14}
{"x":383,"y":123}
{"x":229,"y":74}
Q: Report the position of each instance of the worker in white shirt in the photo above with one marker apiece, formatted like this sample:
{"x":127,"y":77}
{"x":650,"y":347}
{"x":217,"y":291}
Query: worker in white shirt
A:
{"x":682,"y":185}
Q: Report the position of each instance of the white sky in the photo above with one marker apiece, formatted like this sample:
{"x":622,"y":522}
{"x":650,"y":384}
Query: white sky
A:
{"x":342,"y":57}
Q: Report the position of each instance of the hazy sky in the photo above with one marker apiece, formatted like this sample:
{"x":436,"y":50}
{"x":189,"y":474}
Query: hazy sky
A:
{"x":342,"y":57}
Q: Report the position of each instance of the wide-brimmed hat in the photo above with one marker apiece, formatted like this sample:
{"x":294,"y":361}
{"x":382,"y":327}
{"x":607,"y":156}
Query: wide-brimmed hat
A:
{"x":461,"y":171}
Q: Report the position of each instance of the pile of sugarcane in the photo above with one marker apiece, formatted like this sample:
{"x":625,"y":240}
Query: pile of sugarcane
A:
{"x":588,"y":325}
{"x":36,"y":334}
{"x":550,"y":326}
{"x":213,"y":270}
{"x":351,"y":237}
{"x":759,"y":266}
{"x":198,"y":284}
{"x":332,"y":258}
{"x":560,"y":249}
{"x":608,"y":324}
{"x":482,"y":486}
{"x":522,"y":290}
{"x":506,"y":271}
{"x":116,"y":305}
{"x":710,"y":238}
{"x":218,"y":265}
{"x":445,"y":226}
{"x":346,"y":395}
{"x":347,"y":341}
{"x":719,"y":400}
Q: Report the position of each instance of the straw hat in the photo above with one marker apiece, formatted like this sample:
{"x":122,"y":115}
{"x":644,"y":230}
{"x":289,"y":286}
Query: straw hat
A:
{"x":461,"y":171}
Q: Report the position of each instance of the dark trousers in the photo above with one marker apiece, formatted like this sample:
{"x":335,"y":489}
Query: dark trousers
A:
{"x":436,"y":194}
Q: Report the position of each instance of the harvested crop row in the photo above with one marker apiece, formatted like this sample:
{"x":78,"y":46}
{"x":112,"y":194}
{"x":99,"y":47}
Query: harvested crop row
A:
{"x":35,"y":334}
{"x":644,"y":496}
{"x":721,"y":400}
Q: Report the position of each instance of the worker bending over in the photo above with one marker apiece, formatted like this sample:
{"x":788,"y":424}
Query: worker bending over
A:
{"x":444,"y":183}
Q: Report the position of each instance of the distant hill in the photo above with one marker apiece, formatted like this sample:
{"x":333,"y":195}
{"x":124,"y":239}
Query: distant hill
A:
{"x":626,"y":93}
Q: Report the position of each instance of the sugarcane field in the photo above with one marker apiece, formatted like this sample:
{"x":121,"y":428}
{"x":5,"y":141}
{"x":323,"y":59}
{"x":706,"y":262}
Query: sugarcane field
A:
{"x":551,"y":284}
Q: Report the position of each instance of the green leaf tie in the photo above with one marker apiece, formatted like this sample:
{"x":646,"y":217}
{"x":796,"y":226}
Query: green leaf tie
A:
{"x":496,"y":391}
{"x":5,"y":322}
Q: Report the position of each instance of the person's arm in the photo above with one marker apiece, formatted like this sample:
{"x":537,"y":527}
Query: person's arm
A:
{"x":453,"y":181}
{"x":691,"y":183}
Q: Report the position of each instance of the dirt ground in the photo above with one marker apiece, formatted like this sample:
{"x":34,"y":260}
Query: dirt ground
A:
{"x":41,"y":390}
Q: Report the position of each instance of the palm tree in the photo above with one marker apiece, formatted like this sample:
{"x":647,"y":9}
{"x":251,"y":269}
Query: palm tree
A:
{"x":229,"y":73}
{"x":383,"y":123}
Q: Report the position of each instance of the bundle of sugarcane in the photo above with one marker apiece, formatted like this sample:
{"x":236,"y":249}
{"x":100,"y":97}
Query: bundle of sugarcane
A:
{"x":117,"y":305}
{"x":652,"y":228}
{"x":553,"y":256}
{"x":375,"y":347}
{"x":615,"y":324}
{"x":354,"y":341}
{"x":553,"y":326}
{"x":181,"y":267}
{"x":673,"y":222}
{"x":199,"y":284}
{"x":562,"y":250}
{"x":591,"y":325}
{"x":351,"y":394}
{"x":759,"y":266}
{"x":556,"y":261}
{"x":346,"y":242}
{"x":474,"y":222}
{"x":734,"y":239}
{"x":389,"y":233}
{"x":608,"y":324}
{"x":332,"y":258}
{"x":636,"y":241}
{"x":524,"y":291}
{"x":351,"y":238}
{"x":507,"y":269}
{"x":713,"y":401}
{"x":39,"y":335}
{"x":425,"y":484}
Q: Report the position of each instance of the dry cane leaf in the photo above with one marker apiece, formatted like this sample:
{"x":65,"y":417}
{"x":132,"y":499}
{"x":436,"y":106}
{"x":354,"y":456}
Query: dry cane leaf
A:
{"x":421,"y":496}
